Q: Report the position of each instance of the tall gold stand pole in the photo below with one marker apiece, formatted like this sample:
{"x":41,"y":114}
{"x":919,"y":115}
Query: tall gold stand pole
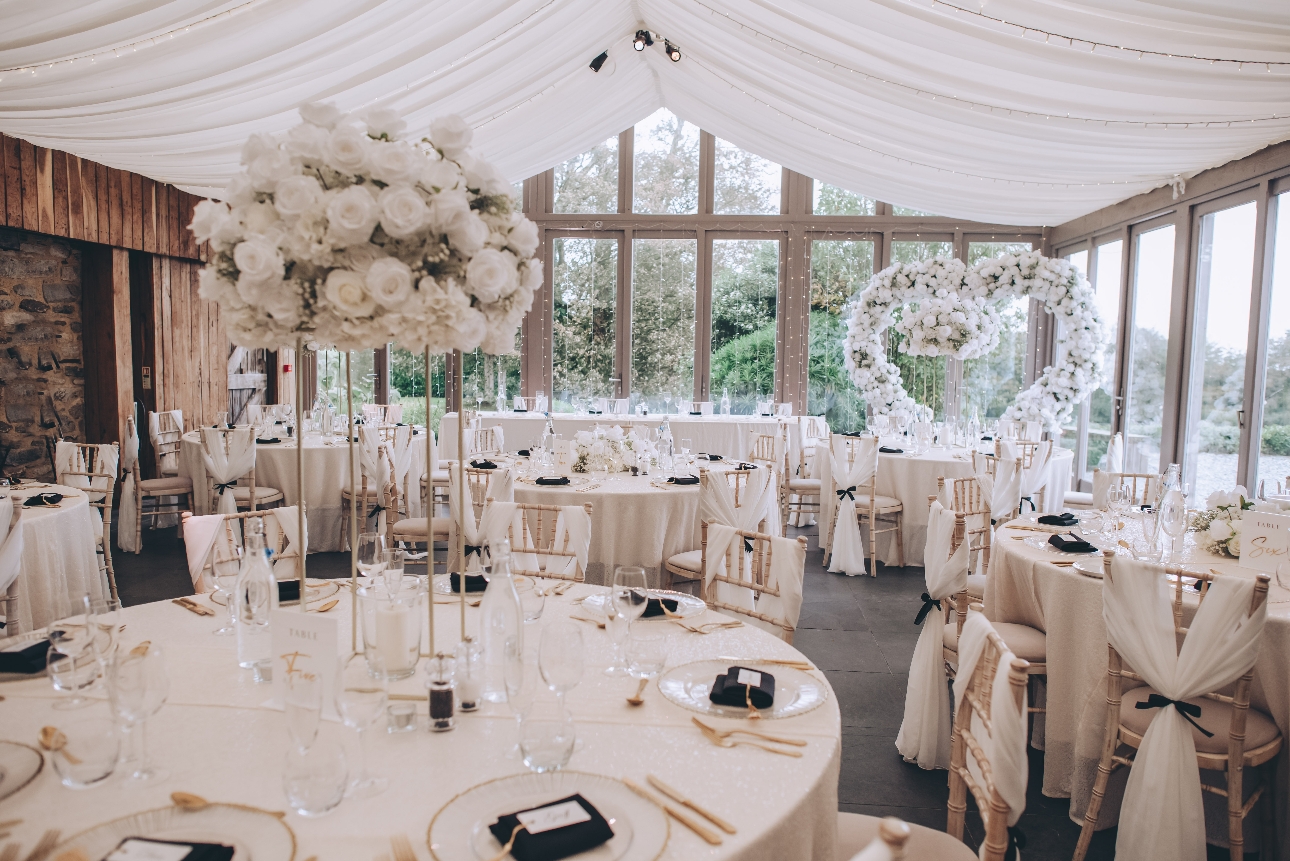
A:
{"x":429,"y":509}
{"x":353,"y":506}
{"x":461,"y":484}
{"x":302,"y":546}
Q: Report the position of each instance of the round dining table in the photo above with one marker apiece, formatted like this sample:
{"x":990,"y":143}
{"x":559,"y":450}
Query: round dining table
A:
{"x":1026,"y":585}
{"x":219,"y":739}
{"x":59,"y":559}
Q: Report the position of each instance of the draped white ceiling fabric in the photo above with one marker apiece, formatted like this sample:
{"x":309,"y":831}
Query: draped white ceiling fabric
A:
{"x":1011,"y":111}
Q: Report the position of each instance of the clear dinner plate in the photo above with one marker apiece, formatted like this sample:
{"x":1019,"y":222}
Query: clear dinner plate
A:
{"x":1042,"y":544}
{"x":255,"y":835}
{"x":316,"y":589}
{"x":1089,"y":568}
{"x":796,"y":692}
{"x":17,"y":644}
{"x":443,"y":585}
{"x":459,"y":831}
{"x":19,"y":765}
{"x":686,"y":605}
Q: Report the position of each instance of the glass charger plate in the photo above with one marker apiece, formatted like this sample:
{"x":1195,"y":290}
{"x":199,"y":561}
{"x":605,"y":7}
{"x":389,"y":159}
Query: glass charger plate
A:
{"x":1089,"y":567}
{"x":19,"y":765}
{"x":459,"y":831}
{"x":686,"y":605}
{"x":17,"y":644}
{"x":255,"y":835}
{"x":796,"y":692}
{"x":316,"y":589}
{"x":1042,"y":544}
{"x":443,"y":585}
{"x":664,"y":484}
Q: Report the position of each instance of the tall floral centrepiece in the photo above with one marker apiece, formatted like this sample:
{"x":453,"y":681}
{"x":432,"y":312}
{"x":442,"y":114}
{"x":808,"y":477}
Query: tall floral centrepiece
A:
{"x":344,"y":233}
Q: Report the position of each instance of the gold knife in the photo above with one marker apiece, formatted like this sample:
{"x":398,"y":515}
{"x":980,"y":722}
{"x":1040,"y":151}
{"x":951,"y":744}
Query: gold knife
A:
{"x":681,"y":799}
{"x":709,"y":836}
{"x":190,"y":606}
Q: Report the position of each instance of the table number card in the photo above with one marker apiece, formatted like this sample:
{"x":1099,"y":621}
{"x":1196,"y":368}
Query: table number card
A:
{"x":563,"y":455}
{"x":304,"y":644}
{"x":1265,"y":540}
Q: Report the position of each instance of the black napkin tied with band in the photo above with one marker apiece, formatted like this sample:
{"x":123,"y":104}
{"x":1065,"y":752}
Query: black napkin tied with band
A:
{"x":1071,"y":545}
{"x":40,"y":500}
{"x":683,"y":479}
{"x":198,"y":851}
{"x":474,"y":582}
{"x":483,"y":464}
{"x":552,"y":481}
{"x":885,"y":450}
{"x":654,"y":607}
{"x":555,"y":843}
{"x":28,"y":661}
{"x":1063,"y":519}
{"x":727,"y":690}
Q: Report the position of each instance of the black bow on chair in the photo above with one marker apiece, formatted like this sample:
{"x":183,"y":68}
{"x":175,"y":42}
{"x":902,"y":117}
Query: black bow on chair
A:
{"x":221,"y":487}
{"x":849,"y":492}
{"x":748,"y":545}
{"x":1016,"y":840}
{"x":928,"y":603}
{"x":476,"y":550}
{"x":1184,"y":708}
{"x":376,"y":509}
{"x":1027,"y":499}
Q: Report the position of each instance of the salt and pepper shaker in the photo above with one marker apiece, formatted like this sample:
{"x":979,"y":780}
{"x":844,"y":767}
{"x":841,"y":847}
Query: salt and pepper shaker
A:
{"x":469,"y":674}
{"x":439,"y":683}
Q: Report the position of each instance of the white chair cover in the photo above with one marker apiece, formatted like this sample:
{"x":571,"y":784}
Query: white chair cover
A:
{"x":717,"y":506}
{"x":200,"y":532}
{"x":1162,"y":815}
{"x":224,"y":469}
{"x":501,"y":489}
{"x":1004,"y":745}
{"x":401,"y":452}
{"x":1115,"y":454}
{"x":1101,"y":484}
{"x":170,"y":460}
{"x":10,"y":541}
{"x":67,"y":458}
{"x":1033,"y":431}
{"x":848,"y":545}
{"x":285,"y":522}
{"x":788,"y":560}
{"x":1035,"y":476}
{"x":924,"y":735}
{"x":127,"y":514}
{"x":203,"y":533}
{"x":1003,"y":489}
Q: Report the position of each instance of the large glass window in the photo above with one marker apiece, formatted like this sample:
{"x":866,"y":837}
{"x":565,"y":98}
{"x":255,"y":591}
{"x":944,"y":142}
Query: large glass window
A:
{"x":1274,"y":442}
{"x":1225,"y":266}
{"x":991,"y":383}
{"x":589,"y":182}
{"x":663,"y":291}
{"x":666,"y":166}
{"x":481,"y":376}
{"x":408,"y":385}
{"x":831,"y":200}
{"x":1148,"y":348}
{"x":331,"y":378}
{"x":922,"y":376}
{"x":839,"y":269}
{"x":745,"y":183}
{"x":745,"y":286}
{"x":1107,"y":291}
{"x":585,"y":279}
{"x":905,"y":210}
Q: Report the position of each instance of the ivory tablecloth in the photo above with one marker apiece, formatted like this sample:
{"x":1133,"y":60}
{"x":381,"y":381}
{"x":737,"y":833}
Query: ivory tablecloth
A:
{"x":59,"y":562}
{"x":218,"y":742}
{"x":1067,"y":605}
{"x":326,"y":474}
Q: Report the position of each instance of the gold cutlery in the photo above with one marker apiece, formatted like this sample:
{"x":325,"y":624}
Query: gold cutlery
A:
{"x":708,"y":627}
{"x":402,"y":848}
{"x":188,"y":801}
{"x":765,"y":736}
{"x":685,"y":802}
{"x":48,"y":841}
{"x":636,"y":698}
{"x":455,"y":601}
{"x":792,"y":664}
{"x":10,"y":852}
{"x":726,"y":742}
{"x":10,"y":824}
{"x":708,"y":835}
{"x":586,"y":488}
{"x":325,"y":607}
{"x":53,"y":739}
{"x":192,"y":607}
{"x":592,"y":621}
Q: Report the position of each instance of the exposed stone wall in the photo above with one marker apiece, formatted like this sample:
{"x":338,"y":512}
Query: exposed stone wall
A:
{"x":42,"y":378}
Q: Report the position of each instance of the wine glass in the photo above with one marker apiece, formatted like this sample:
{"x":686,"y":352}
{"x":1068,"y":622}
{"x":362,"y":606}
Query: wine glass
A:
{"x":667,"y":403}
{"x":138,"y":686}
{"x":315,"y":779}
{"x":361,"y":701}
{"x":1173,"y":519}
{"x":627,"y":601}
{"x":371,"y":553}
{"x":72,"y":660}
{"x":104,"y":619}
{"x":392,"y":571}
{"x":560,"y":657}
{"x":1115,"y":502}
{"x":226,"y":571}
{"x":302,"y":704}
{"x":687,"y":446}
{"x":520,"y":686}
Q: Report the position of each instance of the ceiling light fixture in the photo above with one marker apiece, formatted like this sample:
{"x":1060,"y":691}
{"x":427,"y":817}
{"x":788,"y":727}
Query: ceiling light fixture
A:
{"x":599,"y":61}
{"x":673,"y":52}
{"x":643,"y":40}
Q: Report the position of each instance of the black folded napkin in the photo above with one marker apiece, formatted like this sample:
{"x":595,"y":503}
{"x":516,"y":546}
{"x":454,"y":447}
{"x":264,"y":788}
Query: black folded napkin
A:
{"x":553,"y":481}
{"x":654,"y":607}
{"x":588,"y":830}
{"x":711,"y":457}
{"x":730,"y":690}
{"x":852,"y":433}
{"x":42,"y":499}
{"x":519,"y":410}
{"x":399,"y":425}
{"x":288,"y":590}
{"x":29,"y":660}
{"x":694,"y":413}
{"x":594,"y":412}
{"x":279,"y":422}
{"x":683,"y":479}
{"x":199,"y":851}
{"x":987,"y":437}
{"x":474,"y":582}
{"x":483,"y":464}
{"x":523,"y":452}
{"x":1071,"y":545}
{"x":885,"y":450}
{"x":269,"y":441}
{"x":1063,"y":519}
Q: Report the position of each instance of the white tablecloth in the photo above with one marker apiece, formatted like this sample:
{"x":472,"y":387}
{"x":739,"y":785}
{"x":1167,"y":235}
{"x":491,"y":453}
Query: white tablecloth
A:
{"x":218,"y":742}
{"x":1067,"y":605}
{"x":728,"y":436}
{"x":326,"y":474}
{"x":58,"y":557}
{"x":913,"y":479}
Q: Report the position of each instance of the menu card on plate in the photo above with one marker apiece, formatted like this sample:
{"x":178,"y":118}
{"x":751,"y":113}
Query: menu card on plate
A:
{"x":1265,"y":540}
{"x":304,"y":645}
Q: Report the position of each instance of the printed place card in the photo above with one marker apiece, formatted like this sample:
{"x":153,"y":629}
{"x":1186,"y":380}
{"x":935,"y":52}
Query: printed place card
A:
{"x":304,"y":646}
{"x":1265,"y":540}
{"x":552,"y":817}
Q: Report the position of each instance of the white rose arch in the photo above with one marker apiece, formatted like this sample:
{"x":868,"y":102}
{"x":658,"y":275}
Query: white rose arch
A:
{"x":947,"y":310}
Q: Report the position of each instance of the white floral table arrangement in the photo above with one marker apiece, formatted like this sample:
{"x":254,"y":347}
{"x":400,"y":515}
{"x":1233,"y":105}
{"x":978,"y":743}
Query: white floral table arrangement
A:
{"x":1219,"y":523}
{"x":617,"y":451}
{"x":341,"y":232}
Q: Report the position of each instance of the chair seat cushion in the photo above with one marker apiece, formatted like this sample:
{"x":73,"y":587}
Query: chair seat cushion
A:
{"x":1214,"y":716}
{"x":1075,"y":499}
{"x":373,"y":493}
{"x":414,"y":528}
{"x":804,"y":485}
{"x":856,"y":831}
{"x":1025,"y":642}
{"x":882,"y":503}
{"x":976,"y":586}
{"x":164,"y":486}
{"x":262,"y":494}
{"x":691,"y":560}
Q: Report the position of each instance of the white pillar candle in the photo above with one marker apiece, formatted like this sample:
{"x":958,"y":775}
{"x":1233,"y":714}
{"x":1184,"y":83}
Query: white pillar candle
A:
{"x":394,"y":632}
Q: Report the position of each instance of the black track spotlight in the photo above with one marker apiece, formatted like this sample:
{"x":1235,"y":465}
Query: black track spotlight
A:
{"x":673,"y":52}
{"x":599,"y":61}
{"x":643,"y":40}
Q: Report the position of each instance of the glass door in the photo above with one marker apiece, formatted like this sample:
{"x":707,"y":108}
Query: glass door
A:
{"x":1148,"y":348}
{"x":1272,"y":454}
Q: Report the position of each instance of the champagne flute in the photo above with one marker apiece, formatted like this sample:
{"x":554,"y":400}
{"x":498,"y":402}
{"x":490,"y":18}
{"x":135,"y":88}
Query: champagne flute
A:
{"x":560,"y":657}
{"x":137,"y":688}
{"x":104,"y":619}
{"x":361,"y":701}
{"x":667,"y":403}
{"x":72,"y":661}
{"x":1173,"y":519}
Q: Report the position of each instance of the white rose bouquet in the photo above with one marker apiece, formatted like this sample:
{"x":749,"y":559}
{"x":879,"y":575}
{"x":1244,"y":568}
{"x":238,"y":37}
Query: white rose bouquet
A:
{"x":616,"y":452}
{"x":341,"y":231}
{"x":1220,"y":522}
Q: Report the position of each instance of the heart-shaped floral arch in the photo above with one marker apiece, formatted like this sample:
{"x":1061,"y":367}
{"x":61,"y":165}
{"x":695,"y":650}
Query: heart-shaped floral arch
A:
{"x":947,"y":309}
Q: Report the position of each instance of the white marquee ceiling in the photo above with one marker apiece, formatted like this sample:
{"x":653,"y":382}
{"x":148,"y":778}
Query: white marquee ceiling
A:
{"x":940,"y":106}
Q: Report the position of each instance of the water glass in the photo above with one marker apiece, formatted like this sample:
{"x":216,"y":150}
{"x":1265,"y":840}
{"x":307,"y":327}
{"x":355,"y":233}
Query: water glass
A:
{"x":560,"y":656}
{"x":646,"y":652}
{"x":91,"y":753}
{"x":547,"y":737}
{"x":392,"y":570}
{"x":226,"y":571}
{"x":303,"y":707}
{"x":371,"y":553}
{"x":138,"y":686}
{"x":532,"y":599}
{"x":627,"y":601}
{"x":361,"y":701}
{"x":315,"y":779}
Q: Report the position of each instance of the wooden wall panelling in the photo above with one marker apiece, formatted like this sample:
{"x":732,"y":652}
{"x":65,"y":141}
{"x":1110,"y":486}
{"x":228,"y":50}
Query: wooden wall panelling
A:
{"x":149,"y":192}
{"x":174,"y":242}
{"x":163,"y":218}
{"x":75,"y":199}
{"x":109,"y":383}
{"x":136,"y":209}
{"x":45,"y":189}
{"x":12,"y":181}
{"x":116,"y":233}
{"x":90,"y":199}
{"x":104,"y":203}
{"x":30,"y":202}
{"x":61,"y":206}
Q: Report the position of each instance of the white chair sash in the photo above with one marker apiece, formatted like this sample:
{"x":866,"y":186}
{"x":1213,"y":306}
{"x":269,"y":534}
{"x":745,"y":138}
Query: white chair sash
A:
{"x":1101,"y":484}
{"x":10,"y":541}
{"x":1162,"y":815}
{"x":226,"y":469}
{"x":68,"y":458}
{"x":847,"y":546}
{"x":787,"y":567}
{"x":170,"y":460}
{"x":286,"y":521}
{"x":1003,"y":490}
{"x":200,"y":532}
{"x":1115,"y":454}
{"x":127,"y":515}
{"x":574,"y":527}
{"x":404,"y":456}
{"x":501,"y":489}
{"x":924,"y":735}
{"x":720,"y":537}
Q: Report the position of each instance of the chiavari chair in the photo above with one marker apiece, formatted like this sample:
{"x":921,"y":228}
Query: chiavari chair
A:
{"x":882,"y":514}
{"x":759,"y":570}
{"x":96,"y":477}
{"x":536,"y":537}
{"x":689,"y":565}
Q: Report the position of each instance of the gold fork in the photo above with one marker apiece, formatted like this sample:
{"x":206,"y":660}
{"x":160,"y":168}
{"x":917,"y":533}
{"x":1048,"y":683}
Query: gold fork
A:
{"x":402,"y":848}
{"x":10,"y":852}
{"x":48,"y":841}
{"x":779,"y":739}
{"x":725,"y":742}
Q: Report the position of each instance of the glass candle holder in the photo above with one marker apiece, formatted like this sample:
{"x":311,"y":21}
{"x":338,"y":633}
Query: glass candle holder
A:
{"x":469,"y":675}
{"x":391,"y":622}
{"x":439,"y":687}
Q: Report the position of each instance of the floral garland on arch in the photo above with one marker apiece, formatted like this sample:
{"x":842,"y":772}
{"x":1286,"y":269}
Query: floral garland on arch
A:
{"x":946,"y":310}
{"x":343,"y":233}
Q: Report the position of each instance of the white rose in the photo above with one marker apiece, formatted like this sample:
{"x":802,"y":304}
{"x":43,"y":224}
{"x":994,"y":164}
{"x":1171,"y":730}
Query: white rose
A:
{"x":467,"y":233}
{"x":250,"y":291}
{"x":394,"y":163}
{"x":269,"y":169}
{"x":352,"y":215}
{"x":296,"y":195}
{"x":471,"y":326}
{"x":307,"y":142}
{"x":403,"y":212}
{"x":531,"y":277}
{"x":491,"y":275}
{"x":257,"y":260}
{"x":440,"y":174}
{"x":281,"y":301}
{"x":483,"y":176}
{"x":258,"y":145}
{"x":258,"y":217}
{"x":208,"y":217}
{"x":361,"y":257}
{"x":524,"y":236}
{"x":323,"y":114}
{"x":390,"y":282}
{"x":451,"y":135}
{"x":346,"y":291}
{"x":446,"y":207}
{"x":346,"y":150}
{"x":384,"y":121}
{"x":239,"y":191}
{"x":210,"y":286}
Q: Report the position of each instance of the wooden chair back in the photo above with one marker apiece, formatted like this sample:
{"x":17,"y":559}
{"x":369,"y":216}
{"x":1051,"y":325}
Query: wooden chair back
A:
{"x":227,"y":550}
{"x":1141,"y":487}
{"x":537,"y":536}
{"x":759,"y":574}
{"x":811,"y":431}
{"x":763,"y":450}
{"x":483,"y":441}
{"x":1027,"y":450}
{"x":167,"y":443}
{"x":968,"y":499}
{"x":983,"y":463}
